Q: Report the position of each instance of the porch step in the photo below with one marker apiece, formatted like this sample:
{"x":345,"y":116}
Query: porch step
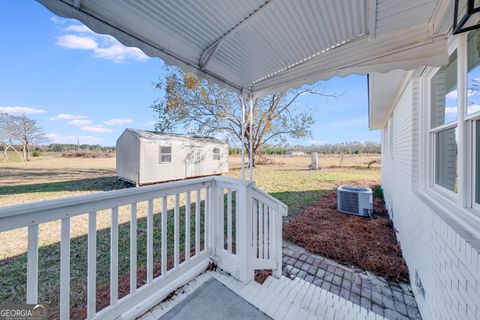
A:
{"x":286,"y":299}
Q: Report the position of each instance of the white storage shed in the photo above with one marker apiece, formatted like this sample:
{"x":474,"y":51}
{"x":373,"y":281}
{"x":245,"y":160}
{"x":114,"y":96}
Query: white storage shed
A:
{"x":145,"y":157}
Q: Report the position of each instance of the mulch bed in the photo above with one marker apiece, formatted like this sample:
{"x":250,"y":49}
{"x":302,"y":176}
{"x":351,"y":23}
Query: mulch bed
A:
{"x":367,"y":243}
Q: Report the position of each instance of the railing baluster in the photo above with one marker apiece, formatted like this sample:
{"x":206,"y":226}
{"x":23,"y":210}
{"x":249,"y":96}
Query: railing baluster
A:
{"x":114,"y":258}
{"x":265,"y":232}
{"x":237,"y":219}
{"x":229,"y":220}
{"x":65,"y":269}
{"x":271,"y":233}
{"x":133,"y":247}
{"x":187,"y":226}
{"x":254,"y":227}
{"x":260,"y":230}
{"x":92,"y":265}
{"x":206,"y":211}
{"x":32,"y":264}
{"x":277,"y":273}
{"x":150,"y":242}
{"x":221,"y":213}
{"x":176,"y":233}
{"x":197,"y":223}
{"x":164,"y":234}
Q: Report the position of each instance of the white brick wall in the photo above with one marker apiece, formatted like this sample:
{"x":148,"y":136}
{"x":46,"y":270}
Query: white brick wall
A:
{"x":446,"y":262}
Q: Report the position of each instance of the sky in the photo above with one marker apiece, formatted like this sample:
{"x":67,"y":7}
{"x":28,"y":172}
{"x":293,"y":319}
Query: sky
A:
{"x":87,"y":88}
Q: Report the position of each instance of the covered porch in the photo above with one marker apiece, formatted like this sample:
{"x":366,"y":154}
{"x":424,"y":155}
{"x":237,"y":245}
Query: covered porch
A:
{"x":225,"y":225}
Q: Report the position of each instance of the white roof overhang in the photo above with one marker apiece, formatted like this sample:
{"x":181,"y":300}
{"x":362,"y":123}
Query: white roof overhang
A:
{"x":384,"y":90}
{"x":258,"y":46}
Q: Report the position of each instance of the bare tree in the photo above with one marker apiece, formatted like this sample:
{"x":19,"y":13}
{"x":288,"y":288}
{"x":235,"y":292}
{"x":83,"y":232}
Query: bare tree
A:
{"x":6,"y":141}
{"x":23,"y":130}
{"x":206,"y":109}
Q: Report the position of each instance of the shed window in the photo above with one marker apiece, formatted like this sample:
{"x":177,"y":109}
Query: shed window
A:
{"x":165,"y":154}
{"x":216,"y":154}
{"x":444,"y":125}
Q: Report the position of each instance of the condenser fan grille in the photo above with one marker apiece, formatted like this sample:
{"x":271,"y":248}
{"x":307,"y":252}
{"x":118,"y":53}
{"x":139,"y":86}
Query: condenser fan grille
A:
{"x":349,"y":202}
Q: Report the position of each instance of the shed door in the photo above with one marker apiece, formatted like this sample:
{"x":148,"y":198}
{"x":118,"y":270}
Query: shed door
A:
{"x":193,"y":161}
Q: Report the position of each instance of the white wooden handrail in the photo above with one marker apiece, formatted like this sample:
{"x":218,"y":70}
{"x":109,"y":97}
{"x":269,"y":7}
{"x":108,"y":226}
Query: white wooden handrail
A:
{"x":241,"y":231}
{"x":270,"y":200}
{"x":22,"y":215}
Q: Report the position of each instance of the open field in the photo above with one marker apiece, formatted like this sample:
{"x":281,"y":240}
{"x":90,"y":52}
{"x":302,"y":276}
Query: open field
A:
{"x":286,"y":178}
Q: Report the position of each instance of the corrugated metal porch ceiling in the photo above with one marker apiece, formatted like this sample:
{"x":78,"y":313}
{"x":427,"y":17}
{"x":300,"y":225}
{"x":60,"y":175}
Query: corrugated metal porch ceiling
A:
{"x":261,"y":46}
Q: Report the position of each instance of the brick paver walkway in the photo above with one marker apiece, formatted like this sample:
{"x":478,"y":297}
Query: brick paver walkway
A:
{"x":390,"y":299}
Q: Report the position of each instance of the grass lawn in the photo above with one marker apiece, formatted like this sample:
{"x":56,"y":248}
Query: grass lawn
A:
{"x":286,"y":178}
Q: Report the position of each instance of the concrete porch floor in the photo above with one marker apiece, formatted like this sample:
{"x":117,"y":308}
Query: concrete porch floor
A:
{"x":214,"y":301}
{"x":282,"y":298}
{"x":312,"y":287}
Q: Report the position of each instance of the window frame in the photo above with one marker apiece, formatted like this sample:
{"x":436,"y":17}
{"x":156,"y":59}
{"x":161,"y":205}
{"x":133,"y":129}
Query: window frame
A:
{"x":161,"y":154}
{"x":452,"y":195}
{"x":464,"y":199}
{"x":434,"y":131}
{"x":472,"y":157}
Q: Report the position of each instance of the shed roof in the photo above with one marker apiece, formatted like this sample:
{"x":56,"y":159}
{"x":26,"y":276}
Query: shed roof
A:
{"x":261,"y":46}
{"x":158,"y":136}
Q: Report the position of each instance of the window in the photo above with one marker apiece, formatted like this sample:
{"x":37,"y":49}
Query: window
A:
{"x":444,"y":94}
{"x":216,"y":154}
{"x":453,"y":124}
{"x":446,"y":159}
{"x":165,"y":154}
{"x":473,"y":108}
{"x":473,"y":78}
{"x":477,"y":162}
{"x":444,"y":114}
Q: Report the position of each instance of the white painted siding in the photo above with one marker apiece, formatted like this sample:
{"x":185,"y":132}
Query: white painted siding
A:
{"x":152,"y":170}
{"x":444,"y":257}
{"x":128,"y":157}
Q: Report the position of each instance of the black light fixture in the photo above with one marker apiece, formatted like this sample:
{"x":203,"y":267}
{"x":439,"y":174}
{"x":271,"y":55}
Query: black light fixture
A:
{"x":466,"y":20}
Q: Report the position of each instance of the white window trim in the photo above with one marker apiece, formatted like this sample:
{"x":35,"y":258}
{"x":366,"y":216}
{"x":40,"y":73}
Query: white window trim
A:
{"x":471,"y":160}
{"x":160,"y":154}
{"x":431,"y":133}
{"x":219,"y":154}
{"x":460,"y":207}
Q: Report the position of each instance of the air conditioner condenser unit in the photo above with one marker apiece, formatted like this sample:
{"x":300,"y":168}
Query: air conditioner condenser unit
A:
{"x":355,"y":200}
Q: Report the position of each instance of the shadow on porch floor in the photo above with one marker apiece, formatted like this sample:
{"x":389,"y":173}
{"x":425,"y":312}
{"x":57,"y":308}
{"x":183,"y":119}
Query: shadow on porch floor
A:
{"x":211,"y":301}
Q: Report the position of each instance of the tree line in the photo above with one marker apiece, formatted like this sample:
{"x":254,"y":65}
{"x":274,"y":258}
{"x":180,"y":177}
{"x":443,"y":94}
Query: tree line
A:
{"x":354,"y":147}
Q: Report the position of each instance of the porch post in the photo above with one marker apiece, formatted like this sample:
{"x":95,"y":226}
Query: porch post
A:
{"x":250,"y":136}
{"x":244,"y":229}
{"x":243,"y":137}
{"x":213,"y":218}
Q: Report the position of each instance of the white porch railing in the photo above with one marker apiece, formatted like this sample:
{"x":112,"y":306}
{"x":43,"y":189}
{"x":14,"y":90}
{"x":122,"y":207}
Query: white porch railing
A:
{"x":242,"y":232}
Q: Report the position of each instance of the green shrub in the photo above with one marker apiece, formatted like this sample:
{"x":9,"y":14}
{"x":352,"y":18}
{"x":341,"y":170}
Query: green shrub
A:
{"x":36,"y":154}
{"x":378,"y":192}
